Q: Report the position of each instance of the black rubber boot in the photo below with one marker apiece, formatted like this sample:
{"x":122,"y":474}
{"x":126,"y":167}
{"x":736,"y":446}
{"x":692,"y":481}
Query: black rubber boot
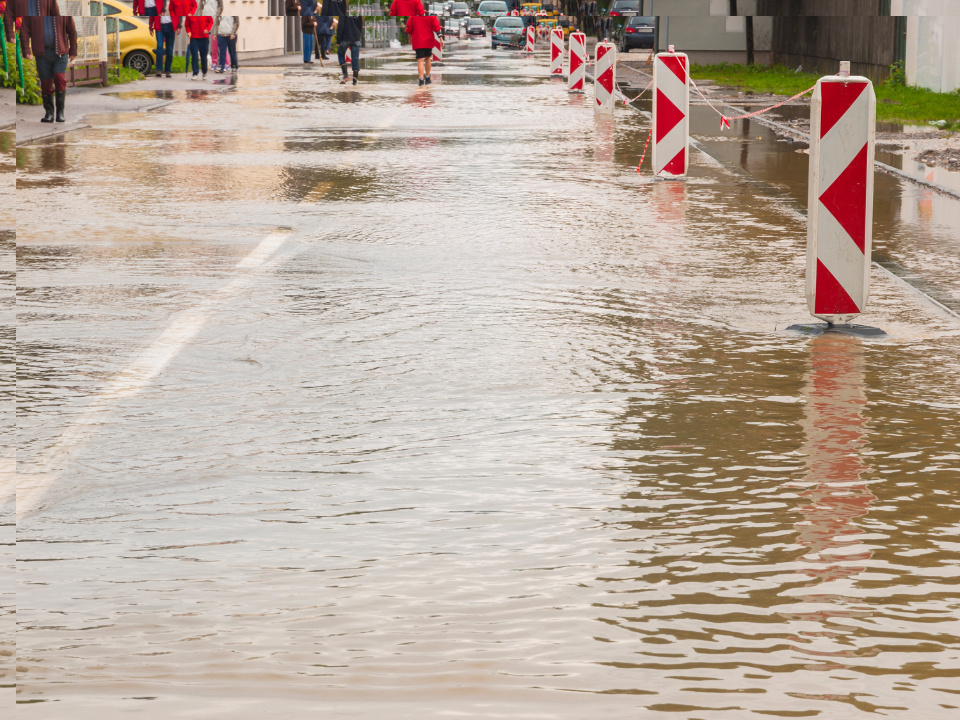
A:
{"x":48,"y":107}
{"x":61,"y":97}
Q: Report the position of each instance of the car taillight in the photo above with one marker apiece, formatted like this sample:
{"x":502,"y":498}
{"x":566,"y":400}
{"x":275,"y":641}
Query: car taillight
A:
{"x":629,"y":30}
{"x":614,"y":13}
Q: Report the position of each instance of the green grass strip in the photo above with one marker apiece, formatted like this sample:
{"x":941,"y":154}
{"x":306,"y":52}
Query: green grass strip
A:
{"x":895,"y":103}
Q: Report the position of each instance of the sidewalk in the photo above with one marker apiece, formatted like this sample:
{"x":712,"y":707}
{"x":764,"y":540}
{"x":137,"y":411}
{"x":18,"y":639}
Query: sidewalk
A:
{"x":296,"y":59}
{"x":140,"y":96}
{"x":8,"y":113}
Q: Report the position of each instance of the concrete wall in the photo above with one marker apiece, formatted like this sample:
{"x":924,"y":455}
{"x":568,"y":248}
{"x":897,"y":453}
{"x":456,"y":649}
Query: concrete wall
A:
{"x":702,"y":29}
{"x":260,"y":35}
{"x":933,"y":49}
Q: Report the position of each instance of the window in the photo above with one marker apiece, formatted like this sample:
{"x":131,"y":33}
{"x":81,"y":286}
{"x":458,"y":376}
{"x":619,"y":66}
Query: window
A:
{"x":125,"y":26}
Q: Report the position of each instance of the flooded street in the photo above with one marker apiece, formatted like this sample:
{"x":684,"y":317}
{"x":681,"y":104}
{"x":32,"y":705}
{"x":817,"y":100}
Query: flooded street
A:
{"x":413,"y":402}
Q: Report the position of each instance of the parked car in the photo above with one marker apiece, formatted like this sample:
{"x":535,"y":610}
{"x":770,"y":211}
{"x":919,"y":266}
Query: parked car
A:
{"x":459,"y":9}
{"x":622,"y":8}
{"x":637,"y":32}
{"x":506,"y":31}
{"x":492,"y":9}
{"x":451,"y":27}
{"x":137,"y":45}
{"x":435,"y":9}
{"x":476,"y":26}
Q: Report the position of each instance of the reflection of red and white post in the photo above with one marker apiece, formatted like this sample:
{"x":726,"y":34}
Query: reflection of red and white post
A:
{"x":437,"y":58}
{"x":531,"y":39}
{"x":556,"y":51}
{"x":576,"y":73}
{"x":840,"y":196}
{"x":835,"y":430}
{"x":671,"y":115}
{"x":605,"y":78}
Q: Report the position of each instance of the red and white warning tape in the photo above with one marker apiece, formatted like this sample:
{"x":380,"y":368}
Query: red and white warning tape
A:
{"x":725,"y":120}
{"x":626,"y":100}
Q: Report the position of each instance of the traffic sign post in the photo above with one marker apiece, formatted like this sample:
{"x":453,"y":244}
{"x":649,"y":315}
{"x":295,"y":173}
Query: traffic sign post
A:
{"x":576,"y":72}
{"x":605,"y":78}
{"x":840,"y":196}
{"x":671,"y":115}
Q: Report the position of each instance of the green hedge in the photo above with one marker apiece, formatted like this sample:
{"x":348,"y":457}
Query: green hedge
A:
{"x":30,"y":93}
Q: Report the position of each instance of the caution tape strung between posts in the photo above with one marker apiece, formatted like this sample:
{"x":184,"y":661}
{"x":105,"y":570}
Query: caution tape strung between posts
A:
{"x":725,"y":121}
{"x":645,"y":146}
{"x":626,"y":100}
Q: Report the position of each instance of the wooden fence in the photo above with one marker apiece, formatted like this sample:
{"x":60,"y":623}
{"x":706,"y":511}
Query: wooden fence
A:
{"x":819,"y":42}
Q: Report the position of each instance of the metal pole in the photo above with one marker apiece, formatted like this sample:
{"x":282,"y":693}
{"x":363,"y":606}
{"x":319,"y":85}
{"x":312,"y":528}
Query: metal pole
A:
{"x":3,"y":42}
{"x":19,"y":61}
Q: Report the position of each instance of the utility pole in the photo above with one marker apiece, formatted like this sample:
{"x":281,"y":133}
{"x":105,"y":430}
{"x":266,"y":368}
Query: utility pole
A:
{"x":749,"y":31}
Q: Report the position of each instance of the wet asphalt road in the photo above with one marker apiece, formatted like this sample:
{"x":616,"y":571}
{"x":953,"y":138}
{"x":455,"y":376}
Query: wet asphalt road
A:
{"x":401,"y":402}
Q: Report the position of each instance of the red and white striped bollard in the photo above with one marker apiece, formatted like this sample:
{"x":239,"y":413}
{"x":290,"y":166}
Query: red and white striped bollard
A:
{"x":577,"y":69}
{"x":531,"y":39}
{"x":556,"y":51}
{"x":605,"y":78}
{"x":840,"y":196}
{"x":671,"y":115}
{"x":437,"y":55}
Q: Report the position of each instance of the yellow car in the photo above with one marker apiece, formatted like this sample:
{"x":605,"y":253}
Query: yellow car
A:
{"x":137,"y":46}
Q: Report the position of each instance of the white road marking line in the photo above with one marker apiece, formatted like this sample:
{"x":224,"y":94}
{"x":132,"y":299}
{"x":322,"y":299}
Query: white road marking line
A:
{"x":32,"y":486}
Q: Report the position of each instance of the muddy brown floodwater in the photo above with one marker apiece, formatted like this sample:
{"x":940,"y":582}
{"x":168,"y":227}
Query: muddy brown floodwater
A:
{"x":413,"y":403}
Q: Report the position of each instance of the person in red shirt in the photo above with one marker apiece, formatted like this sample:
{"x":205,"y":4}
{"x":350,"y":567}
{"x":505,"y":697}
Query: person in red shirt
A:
{"x":198,"y":28}
{"x":406,"y":8}
{"x":422,"y":30}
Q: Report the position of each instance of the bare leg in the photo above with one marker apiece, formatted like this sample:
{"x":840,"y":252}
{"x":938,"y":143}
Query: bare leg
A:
{"x":420,"y":64}
{"x":429,"y":63}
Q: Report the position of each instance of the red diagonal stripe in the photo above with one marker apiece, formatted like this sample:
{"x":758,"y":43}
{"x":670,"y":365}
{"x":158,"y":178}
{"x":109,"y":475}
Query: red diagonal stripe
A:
{"x":668,"y":115}
{"x":575,"y":62}
{"x":676,"y":166}
{"x":601,"y":51}
{"x":554,"y":52}
{"x":837,"y":99}
{"x":831,"y":298}
{"x":606,"y":79}
{"x":846,"y":199}
{"x":678,"y":65}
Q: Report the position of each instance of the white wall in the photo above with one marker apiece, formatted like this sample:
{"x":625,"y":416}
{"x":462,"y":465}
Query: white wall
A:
{"x":260,"y":35}
{"x":933,"y":50}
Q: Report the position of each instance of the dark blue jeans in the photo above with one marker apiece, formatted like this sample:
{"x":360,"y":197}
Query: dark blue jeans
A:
{"x":150,"y":12}
{"x":165,"y":37}
{"x":354,"y":56}
{"x":201,"y":47}
{"x":324,"y":43}
{"x":224,"y":44}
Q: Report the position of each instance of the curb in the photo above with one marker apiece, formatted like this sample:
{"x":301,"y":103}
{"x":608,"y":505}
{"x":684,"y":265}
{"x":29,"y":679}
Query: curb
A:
{"x":53,"y":133}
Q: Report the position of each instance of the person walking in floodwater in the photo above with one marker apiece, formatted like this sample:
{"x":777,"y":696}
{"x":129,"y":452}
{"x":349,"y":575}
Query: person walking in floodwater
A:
{"x":423,"y":30}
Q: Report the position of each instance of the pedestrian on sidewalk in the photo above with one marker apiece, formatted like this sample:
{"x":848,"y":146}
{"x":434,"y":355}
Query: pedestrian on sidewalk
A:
{"x":198,"y":30}
{"x":349,"y":35}
{"x":423,"y":30}
{"x":308,"y":25}
{"x":149,"y":8}
{"x":324,"y":34}
{"x":52,"y":40}
{"x":166,"y":28}
{"x":227,"y":28}
{"x":211,"y":9}
{"x":406,"y":8}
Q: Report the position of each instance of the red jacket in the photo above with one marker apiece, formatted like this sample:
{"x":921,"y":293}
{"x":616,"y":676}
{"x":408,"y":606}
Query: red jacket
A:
{"x":183,"y":8}
{"x":140,"y":7}
{"x":406,"y":8}
{"x":199,"y":26}
{"x":421,"y":30}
